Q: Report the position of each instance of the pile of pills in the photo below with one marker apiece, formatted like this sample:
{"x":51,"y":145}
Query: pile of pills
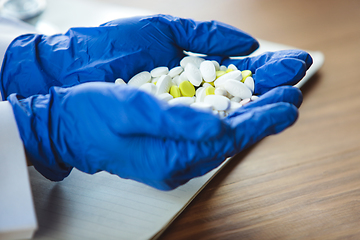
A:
{"x":198,"y":83}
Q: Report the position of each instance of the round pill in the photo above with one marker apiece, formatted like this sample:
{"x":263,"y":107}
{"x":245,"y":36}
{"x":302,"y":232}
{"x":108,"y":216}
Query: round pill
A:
{"x":249,"y":82}
{"x":210,"y":90}
{"x":159,"y":71}
{"x":175,"y":71}
{"x":208,"y":71}
{"x":149,"y":88}
{"x":175,"y":91}
{"x":139,"y":79}
{"x":218,"y":102}
{"x":187,"y":89}
{"x":236,"y":75}
{"x":193,"y":74}
{"x":120,"y":81}
{"x":191,"y":59}
{"x":163,"y":84}
{"x":237,"y":89}
{"x":182,"y":100}
{"x":245,"y":74}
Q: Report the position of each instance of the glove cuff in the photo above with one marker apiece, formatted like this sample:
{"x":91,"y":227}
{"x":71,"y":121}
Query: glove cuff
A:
{"x":33,"y":124}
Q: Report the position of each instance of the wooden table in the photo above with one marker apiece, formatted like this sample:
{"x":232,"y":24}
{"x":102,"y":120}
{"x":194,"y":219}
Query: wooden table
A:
{"x":305,"y":182}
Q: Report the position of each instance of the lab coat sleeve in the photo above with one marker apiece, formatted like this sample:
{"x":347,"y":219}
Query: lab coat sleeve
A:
{"x":17,"y":213}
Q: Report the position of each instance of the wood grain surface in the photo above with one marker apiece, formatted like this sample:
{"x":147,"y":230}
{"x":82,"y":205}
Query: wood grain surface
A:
{"x":305,"y":182}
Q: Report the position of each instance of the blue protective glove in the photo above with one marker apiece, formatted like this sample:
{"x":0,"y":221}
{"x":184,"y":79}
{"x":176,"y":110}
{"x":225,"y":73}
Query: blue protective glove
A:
{"x":104,"y":126}
{"x":120,"y":48}
{"x":124,"y":47}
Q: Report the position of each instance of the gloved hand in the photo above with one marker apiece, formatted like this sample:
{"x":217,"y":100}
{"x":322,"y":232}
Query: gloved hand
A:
{"x":120,"y":48}
{"x":124,"y":47}
{"x":117,"y":128}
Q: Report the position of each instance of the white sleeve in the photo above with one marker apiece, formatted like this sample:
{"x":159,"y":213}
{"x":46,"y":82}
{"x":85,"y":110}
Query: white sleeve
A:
{"x":17,"y":213}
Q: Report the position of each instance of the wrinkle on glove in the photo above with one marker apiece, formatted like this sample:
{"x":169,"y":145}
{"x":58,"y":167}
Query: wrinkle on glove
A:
{"x":122,"y":130}
{"x":118,"y":49}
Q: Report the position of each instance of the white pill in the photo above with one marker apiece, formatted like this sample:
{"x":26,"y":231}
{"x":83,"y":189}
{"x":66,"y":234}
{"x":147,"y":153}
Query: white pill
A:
{"x":140,"y":78}
{"x":191,"y":59}
{"x":193,"y":74}
{"x":221,"y":91}
{"x":218,"y":102}
{"x":159,"y":71}
{"x":223,"y":68}
{"x":202,"y":106}
{"x":216,"y":65}
{"x":237,"y":89}
{"x":163,"y":84}
{"x":201,"y":94}
{"x":234,"y":106}
{"x":197,"y":91}
{"x":236,"y":75}
{"x":235,"y":99}
{"x":175,"y":71}
{"x":176,"y":80}
{"x":254,"y":97}
{"x":208,"y":71}
{"x":245,"y":101}
{"x":120,"y":81}
{"x":249,"y":82}
{"x":155,"y":79}
{"x":165,"y":97}
{"x":232,"y":66}
{"x":205,"y":85}
{"x":183,"y":77}
{"x":149,"y":88}
{"x":182,"y":100}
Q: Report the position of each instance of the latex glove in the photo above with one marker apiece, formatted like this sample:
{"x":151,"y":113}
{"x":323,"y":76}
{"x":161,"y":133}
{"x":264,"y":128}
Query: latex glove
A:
{"x":124,"y":47}
{"x":118,"y":49}
{"x":122,"y":130}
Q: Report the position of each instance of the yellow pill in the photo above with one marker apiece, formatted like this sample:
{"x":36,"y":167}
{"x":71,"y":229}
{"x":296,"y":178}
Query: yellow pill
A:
{"x":229,"y":70}
{"x":245,"y":74}
{"x":210,"y":90}
{"x":219,"y":73}
{"x":187,"y":89}
{"x":175,"y":91}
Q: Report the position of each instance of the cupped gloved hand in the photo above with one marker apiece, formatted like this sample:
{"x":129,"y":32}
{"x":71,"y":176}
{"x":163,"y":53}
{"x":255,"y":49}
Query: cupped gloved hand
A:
{"x":125,"y":47}
{"x":116,"y":128}
{"x":118,"y":49}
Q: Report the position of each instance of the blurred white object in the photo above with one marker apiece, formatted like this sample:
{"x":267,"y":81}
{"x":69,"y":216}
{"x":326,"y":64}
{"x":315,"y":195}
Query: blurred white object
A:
{"x":22,"y":9}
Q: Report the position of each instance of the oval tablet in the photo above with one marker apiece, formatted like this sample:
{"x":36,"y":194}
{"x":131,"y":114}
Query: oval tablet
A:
{"x":140,"y":78}
{"x":208,"y":71}
{"x":218,"y":102}
{"x":159,"y":71}
{"x":187,"y":89}
{"x":163,"y":84}
{"x":237,"y":89}
{"x":149,"y":88}
{"x":202,"y":106}
{"x":165,"y":97}
{"x":236,"y":75}
{"x":191,"y":59}
{"x":175,"y":71}
{"x":182,"y":100}
{"x":120,"y":81}
{"x":249,"y":82}
{"x":193,"y":74}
